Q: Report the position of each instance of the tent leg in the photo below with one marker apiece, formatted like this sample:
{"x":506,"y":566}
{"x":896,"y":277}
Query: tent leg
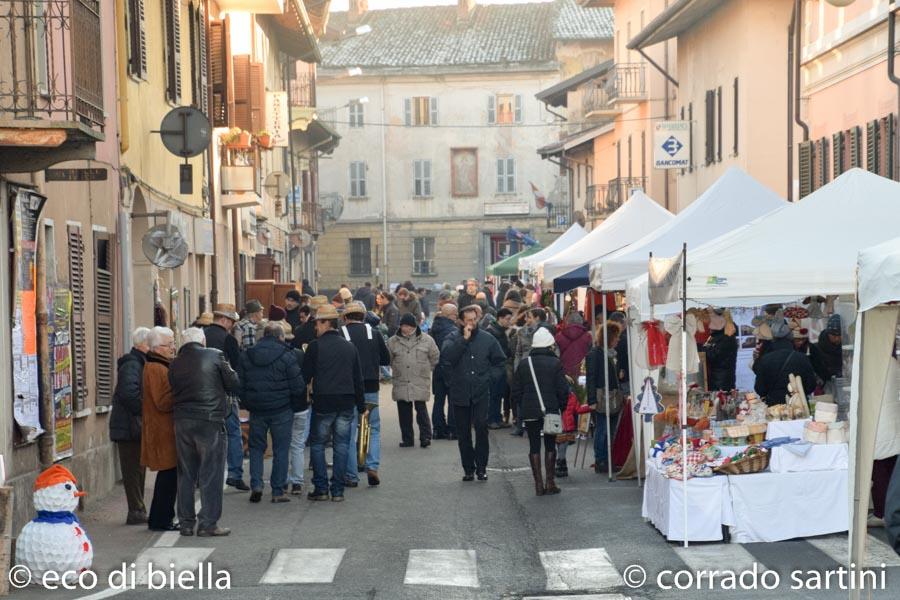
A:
{"x":609,"y":432}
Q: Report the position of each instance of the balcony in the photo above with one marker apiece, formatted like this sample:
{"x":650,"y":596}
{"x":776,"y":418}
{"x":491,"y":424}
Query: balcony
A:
{"x":604,"y":199}
{"x":311,"y":218}
{"x":303,"y":86}
{"x":51,"y":82}
{"x":624,"y":83}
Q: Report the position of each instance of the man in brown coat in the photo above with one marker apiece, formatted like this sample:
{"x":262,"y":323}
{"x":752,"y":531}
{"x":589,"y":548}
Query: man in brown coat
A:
{"x":158,"y":433}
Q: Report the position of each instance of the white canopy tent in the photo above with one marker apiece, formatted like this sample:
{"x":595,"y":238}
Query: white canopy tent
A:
{"x":733,"y":200}
{"x":637,"y":217}
{"x":874,"y":399}
{"x":809,"y":247}
{"x":566,"y":239}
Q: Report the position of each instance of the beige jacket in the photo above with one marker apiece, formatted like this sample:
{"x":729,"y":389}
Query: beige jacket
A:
{"x":412,"y":361}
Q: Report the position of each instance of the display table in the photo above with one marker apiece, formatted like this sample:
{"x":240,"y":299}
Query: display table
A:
{"x":771,"y":507}
{"x":709,"y":506}
{"x":794,"y":429}
{"x":818,"y":457}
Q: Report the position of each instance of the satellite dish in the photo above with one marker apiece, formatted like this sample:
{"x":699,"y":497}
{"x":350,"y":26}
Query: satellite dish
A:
{"x":277,"y":185}
{"x":332,"y":206}
{"x":164,"y":246}
{"x":185,"y":131}
{"x":301,"y":238}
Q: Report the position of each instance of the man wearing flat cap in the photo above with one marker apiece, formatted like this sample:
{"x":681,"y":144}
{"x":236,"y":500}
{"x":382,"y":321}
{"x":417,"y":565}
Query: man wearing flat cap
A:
{"x":247,"y":328}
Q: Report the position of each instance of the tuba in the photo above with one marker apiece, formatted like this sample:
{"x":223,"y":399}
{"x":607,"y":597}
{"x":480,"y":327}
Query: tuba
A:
{"x":362,"y":440}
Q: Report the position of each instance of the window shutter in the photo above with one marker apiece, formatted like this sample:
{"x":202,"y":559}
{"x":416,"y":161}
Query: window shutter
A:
{"x":218,"y":72}
{"x":204,"y":58}
{"x":888,"y":141}
{"x":492,"y":109}
{"x":501,"y":175}
{"x":242,"y":92}
{"x":433,"y":117}
{"x":854,"y":150}
{"x":837,"y":153}
{"x":719,"y":124}
{"x":417,"y":178}
{"x":257,"y":97}
{"x":353,"y":191}
{"x":510,"y":174}
{"x":76,"y":284}
{"x":407,"y":111}
{"x":872,"y":146}
{"x":103,"y":317}
{"x":804,"y":170}
{"x":519,"y":110}
{"x":173,"y":50}
{"x":137,"y":33}
{"x":426,"y":176}
{"x":710,"y":132}
{"x":822,"y":162}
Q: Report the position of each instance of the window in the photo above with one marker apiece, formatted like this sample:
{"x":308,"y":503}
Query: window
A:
{"x":422,"y":178}
{"x":79,"y":344}
{"x":360,"y":256}
{"x":199,"y":66}
{"x":420,"y":111}
{"x":710,"y":128}
{"x":358,"y":179}
{"x":423,"y":256}
{"x":505,"y":109}
{"x":104,"y":351}
{"x":137,"y":39}
{"x":506,"y":175}
{"x":172,"y":15}
{"x":356,"y":114}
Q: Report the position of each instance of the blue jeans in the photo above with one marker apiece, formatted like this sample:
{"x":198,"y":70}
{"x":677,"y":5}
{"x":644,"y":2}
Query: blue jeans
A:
{"x":496,"y":404}
{"x":279,"y":425}
{"x":235,"y":454}
{"x":600,"y":455}
{"x":373,"y":456}
{"x":337,"y":424}
{"x":440,"y":425}
{"x":299,"y":433}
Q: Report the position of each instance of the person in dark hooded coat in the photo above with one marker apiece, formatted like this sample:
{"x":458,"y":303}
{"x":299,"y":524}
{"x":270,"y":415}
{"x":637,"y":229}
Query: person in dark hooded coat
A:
{"x":781,"y":361}
{"x":721,"y":355}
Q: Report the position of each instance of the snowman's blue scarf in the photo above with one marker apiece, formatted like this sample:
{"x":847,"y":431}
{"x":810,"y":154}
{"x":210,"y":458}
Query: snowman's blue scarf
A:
{"x":55,"y":516}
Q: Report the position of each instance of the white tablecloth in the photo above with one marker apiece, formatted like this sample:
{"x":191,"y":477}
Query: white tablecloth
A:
{"x":770,"y":507}
{"x":777,"y":429}
{"x":820,"y":457}
{"x":709,"y":506}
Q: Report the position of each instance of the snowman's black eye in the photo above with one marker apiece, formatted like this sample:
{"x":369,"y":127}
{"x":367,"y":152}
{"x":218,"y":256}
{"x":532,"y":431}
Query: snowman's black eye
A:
{"x":68,"y":486}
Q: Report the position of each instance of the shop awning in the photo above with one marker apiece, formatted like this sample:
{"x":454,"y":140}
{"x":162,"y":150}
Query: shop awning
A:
{"x":294,"y":31}
{"x":510,"y":265}
{"x":566,"y":239}
{"x":313,"y":136}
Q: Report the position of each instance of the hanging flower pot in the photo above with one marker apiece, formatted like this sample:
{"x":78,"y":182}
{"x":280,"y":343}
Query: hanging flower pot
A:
{"x":264,"y":140}
{"x":236,"y":139}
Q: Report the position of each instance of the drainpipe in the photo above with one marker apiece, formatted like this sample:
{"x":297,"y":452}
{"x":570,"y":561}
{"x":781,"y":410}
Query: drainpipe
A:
{"x":892,"y":52}
{"x":666,"y":107}
{"x":211,"y":185}
{"x":790,"y":108}
{"x":798,"y":8}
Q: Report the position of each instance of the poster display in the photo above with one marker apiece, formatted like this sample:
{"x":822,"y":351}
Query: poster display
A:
{"x":60,"y":327}
{"x":26,"y":379}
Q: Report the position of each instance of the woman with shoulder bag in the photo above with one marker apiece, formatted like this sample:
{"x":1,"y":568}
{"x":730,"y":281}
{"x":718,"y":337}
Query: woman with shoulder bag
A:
{"x":596,"y":389}
{"x":539,"y":385}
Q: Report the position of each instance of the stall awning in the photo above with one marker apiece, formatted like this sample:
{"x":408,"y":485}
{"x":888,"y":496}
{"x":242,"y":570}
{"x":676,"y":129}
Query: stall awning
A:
{"x":313,"y":136}
{"x":294,"y":31}
{"x":510,"y":265}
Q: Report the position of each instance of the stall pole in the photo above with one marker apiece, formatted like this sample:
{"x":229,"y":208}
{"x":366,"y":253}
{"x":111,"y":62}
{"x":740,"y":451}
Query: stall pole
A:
{"x":683,"y":390}
{"x":606,"y":389}
{"x":637,"y":422}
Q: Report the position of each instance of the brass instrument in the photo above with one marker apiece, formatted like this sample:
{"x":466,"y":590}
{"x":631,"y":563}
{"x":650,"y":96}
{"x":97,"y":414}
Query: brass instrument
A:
{"x":362,"y":440}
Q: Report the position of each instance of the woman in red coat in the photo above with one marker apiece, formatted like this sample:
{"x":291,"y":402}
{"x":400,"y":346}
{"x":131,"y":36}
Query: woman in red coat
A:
{"x":574,"y":342}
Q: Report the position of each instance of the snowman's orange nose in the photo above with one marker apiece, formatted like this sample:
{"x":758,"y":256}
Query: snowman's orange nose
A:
{"x":80,"y":494}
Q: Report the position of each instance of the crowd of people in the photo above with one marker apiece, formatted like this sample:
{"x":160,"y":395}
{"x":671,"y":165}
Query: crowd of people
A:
{"x":308,"y":373}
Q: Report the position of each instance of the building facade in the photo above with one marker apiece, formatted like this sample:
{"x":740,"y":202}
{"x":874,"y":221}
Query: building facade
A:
{"x":439,"y":122}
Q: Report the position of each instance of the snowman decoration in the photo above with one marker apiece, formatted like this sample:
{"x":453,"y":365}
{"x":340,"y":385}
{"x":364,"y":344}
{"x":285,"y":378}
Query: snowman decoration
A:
{"x":54,"y":540}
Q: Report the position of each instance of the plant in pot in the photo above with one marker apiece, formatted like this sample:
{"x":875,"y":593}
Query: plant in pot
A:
{"x":236,"y":138}
{"x":264,"y":139}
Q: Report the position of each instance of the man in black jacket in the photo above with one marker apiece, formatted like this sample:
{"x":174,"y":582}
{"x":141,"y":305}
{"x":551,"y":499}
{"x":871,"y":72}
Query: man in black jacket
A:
{"x":499,"y":328}
{"x":306,"y":332}
{"x":292,"y":309}
{"x":272,"y":389}
{"x":201,"y":380}
{"x":773,"y":369}
{"x":473,"y":361}
{"x":125,"y":424}
{"x":332,"y":365}
{"x":443,"y":326}
{"x":373,"y":354}
{"x":218,"y":336}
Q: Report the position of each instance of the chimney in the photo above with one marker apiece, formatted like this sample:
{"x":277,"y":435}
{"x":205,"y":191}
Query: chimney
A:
{"x":358,"y":9}
{"x":465,"y":8}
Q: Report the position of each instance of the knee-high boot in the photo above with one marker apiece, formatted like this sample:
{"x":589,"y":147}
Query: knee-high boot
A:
{"x":535,"y":460}
{"x":550,"y":464}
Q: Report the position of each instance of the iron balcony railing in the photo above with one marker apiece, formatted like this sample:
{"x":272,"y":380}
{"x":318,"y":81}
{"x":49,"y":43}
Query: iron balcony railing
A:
{"x":50,"y":66}
{"x":311,"y":218}
{"x":303,"y":89}
{"x":604,"y":199}
{"x":626,"y":82}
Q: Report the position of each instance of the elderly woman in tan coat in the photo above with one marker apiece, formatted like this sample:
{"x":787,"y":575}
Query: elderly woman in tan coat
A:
{"x":413,"y":358}
{"x":158,"y":429}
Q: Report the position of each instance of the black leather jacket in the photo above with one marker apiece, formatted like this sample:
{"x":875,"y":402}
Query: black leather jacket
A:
{"x":200,"y":378}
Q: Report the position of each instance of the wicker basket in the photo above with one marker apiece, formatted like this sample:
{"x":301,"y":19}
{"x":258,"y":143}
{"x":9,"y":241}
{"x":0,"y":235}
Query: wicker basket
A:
{"x":744,"y":466}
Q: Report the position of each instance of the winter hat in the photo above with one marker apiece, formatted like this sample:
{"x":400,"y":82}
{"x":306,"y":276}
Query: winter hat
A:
{"x":408,"y":319}
{"x":293,"y":295}
{"x":834,"y":325}
{"x":542,"y":339}
{"x":53,"y":476}
{"x":276,"y":313}
{"x":253,"y":306}
{"x":780,"y":330}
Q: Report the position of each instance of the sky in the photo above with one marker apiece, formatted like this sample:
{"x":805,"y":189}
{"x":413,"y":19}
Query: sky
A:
{"x":341,"y":5}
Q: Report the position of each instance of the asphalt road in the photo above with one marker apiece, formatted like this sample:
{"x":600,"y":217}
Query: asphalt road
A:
{"x":425,"y":534}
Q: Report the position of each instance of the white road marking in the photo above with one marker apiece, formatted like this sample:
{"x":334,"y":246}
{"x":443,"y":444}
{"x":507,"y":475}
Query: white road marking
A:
{"x":303,"y":565}
{"x":167,"y":539}
{"x":838,"y":548}
{"x":580,"y":597}
{"x":587,"y":569}
{"x":183,"y":559}
{"x":107,"y":593}
{"x":705,"y":557}
{"x":455,"y":568}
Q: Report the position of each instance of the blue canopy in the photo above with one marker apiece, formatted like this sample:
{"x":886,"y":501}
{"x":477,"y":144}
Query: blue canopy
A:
{"x":580,"y":277}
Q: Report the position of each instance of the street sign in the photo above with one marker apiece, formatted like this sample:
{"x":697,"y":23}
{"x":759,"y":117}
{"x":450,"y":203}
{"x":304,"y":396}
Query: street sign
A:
{"x":185,"y":131}
{"x":671,"y":145}
{"x":75,"y":174}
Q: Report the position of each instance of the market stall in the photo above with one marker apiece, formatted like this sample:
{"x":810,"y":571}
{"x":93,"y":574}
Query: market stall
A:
{"x":509,"y":266}
{"x":566,"y":239}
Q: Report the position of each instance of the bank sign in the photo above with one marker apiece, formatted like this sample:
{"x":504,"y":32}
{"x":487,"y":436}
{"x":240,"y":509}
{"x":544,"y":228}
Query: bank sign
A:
{"x":671,"y":145}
